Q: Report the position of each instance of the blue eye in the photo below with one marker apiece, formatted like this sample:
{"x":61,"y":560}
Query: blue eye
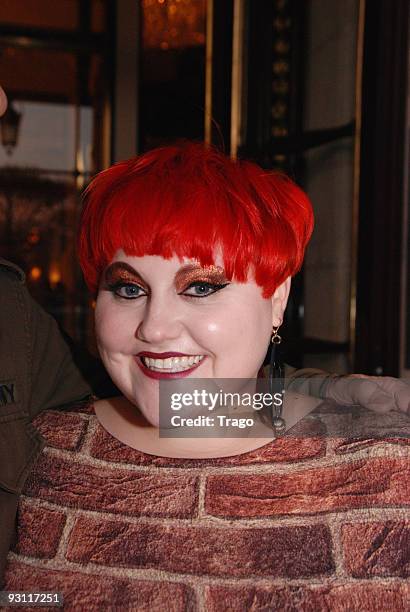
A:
{"x":127,"y":291}
{"x":200,"y":289}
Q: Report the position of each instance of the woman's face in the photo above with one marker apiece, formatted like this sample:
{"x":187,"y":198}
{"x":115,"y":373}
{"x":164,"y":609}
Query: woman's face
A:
{"x":162,"y":318}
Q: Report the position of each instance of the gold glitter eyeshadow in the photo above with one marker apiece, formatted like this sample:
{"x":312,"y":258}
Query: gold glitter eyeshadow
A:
{"x":213,"y":275}
{"x":122,"y":273}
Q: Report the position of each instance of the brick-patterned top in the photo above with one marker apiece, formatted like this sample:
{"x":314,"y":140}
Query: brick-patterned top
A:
{"x":308,"y":522}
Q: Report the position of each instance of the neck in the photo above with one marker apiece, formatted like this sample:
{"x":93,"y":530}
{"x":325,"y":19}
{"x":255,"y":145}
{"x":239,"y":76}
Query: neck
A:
{"x":124,"y":421}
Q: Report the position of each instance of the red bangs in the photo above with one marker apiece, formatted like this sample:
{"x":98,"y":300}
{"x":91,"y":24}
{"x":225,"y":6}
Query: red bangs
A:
{"x":190,"y":200}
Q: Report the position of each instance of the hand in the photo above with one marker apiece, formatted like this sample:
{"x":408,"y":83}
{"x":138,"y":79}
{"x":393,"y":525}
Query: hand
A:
{"x":378,"y":393}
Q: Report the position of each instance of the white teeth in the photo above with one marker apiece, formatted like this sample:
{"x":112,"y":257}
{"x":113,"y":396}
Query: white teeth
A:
{"x":172,"y":364}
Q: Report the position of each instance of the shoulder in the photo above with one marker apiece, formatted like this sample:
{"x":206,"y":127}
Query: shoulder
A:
{"x":10,"y":273}
{"x":13,"y":290}
{"x":15,"y":298}
{"x":19,"y":312}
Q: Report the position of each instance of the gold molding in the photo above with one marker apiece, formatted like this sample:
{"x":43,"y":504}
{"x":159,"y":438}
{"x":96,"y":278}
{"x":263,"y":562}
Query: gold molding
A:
{"x":237,"y":76}
{"x":208,"y":71}
{"x":106,"y":135}
{"x":356,"y":177}
{"x":404,"y":372}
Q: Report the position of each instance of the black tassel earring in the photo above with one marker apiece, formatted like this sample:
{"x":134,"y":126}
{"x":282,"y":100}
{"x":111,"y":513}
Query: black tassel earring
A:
{"x":276,"y":382}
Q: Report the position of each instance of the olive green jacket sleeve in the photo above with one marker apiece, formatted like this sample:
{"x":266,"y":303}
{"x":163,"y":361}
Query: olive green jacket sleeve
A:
{"x":56,"y":380}
{"x":36,"y":372}
{"x":308,"y":381}
{"x":42,"y":362}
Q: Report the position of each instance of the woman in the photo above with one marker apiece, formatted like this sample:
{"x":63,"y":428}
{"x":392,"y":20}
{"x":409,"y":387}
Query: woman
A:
{"x":196,"y":286}
{"x":190,"y":256}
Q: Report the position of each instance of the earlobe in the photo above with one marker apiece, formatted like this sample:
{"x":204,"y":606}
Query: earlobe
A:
{"x":279,"y":301}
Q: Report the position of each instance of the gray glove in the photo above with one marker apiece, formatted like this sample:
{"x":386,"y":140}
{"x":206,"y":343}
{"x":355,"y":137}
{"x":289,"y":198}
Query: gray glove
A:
{"x":378,"y":393}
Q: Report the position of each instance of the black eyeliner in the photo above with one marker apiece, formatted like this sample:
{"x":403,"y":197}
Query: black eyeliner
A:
{"x":212,"y":286}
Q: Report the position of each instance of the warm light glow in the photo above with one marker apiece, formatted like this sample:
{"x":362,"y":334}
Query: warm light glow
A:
{"x":35,"y":273}
{"x":33,"y":237}
{"x":173,"y":24}
{"x":54,"y":276}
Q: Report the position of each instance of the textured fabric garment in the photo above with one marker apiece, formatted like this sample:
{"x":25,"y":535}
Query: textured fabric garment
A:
{"x":37,"y":372}
{"x":307,"y":522}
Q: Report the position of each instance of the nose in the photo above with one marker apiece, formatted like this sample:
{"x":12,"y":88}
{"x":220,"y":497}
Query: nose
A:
{"x":161,"y":322}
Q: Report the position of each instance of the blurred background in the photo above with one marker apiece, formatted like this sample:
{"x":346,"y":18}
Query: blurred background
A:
{"x":318,"y":88}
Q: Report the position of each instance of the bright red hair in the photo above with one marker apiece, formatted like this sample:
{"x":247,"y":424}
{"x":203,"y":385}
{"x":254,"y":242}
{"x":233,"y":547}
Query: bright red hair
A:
{"x":189,"y":199}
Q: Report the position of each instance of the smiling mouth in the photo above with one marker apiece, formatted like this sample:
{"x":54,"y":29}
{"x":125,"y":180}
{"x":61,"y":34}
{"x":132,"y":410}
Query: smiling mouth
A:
{"x":172,"y":365}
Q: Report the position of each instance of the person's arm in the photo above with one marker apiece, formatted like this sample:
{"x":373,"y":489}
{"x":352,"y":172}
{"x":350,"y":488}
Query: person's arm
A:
{"x":378,"y":393}
{"x":56,"y":380}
